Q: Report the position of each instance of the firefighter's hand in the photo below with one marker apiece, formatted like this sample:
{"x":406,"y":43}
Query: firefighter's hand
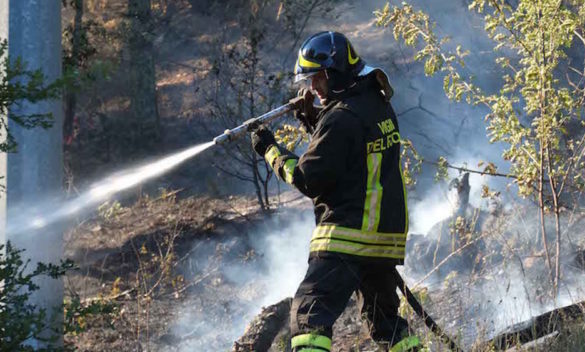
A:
{"x":262,"y":139}
{"x":305,"y":111}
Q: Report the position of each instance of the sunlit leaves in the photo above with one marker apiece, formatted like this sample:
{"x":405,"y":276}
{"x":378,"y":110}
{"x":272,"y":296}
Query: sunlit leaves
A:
{"x":535,"y":104}
{"x":442,"y":173}
{"x":411,"y":163}
{"x":290,"y":136}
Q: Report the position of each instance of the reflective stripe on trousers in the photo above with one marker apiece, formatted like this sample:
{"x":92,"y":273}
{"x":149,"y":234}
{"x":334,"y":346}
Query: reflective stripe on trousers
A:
{"x":310,"y":343}
{"x":358,"y":242}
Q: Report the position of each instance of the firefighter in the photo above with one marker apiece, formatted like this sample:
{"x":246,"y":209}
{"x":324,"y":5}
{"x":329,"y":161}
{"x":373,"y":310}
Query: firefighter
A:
{"x":352,"y":172}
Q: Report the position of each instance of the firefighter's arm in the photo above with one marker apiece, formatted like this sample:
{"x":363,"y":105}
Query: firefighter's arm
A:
{"x":281,"y":160}
{"x":325,"y":160}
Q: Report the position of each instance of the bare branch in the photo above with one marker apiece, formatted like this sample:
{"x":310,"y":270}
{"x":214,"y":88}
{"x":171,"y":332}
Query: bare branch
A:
{"x":464,"y":169}
{"x":236,"y":175}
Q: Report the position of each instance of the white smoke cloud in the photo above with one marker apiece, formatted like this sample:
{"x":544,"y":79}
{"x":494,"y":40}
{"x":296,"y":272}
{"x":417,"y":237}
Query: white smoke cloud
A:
{"x":285,"y":252}
{"x":281,"y":250}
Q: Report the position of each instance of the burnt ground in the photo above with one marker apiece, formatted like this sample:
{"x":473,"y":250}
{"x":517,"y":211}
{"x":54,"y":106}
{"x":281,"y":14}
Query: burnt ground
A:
{"x":150,"y":259}
{"x":183,"y":274}
{"x":190,"y":274}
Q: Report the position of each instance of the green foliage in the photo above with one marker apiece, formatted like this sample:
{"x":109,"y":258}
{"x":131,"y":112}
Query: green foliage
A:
{"x":109,"y":211}
{"x":290,"y":136}
{"x":536,"y":112}
{"x":77,"y":55}
{"x":533,"y":89}
{"x":442,"y":173}
{"x":19,"y":319}
{"x":77,"y":313}
{"x":17,"y":85}
{"x":411,"y":163}
{"x":79,"y":51}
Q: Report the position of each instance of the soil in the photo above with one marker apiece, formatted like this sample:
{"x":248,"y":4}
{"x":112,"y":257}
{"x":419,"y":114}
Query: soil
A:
{"x":119,"y":258}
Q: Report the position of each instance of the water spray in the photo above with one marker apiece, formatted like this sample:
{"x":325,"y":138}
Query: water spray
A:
{"x":46,"y":213}
{"x":120,"y":181}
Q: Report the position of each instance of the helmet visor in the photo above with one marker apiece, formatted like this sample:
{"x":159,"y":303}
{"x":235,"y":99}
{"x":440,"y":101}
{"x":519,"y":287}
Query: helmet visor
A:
{"x":303,"y":76}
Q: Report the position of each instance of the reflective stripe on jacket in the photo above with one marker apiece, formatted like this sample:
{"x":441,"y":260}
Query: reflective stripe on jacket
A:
{"x":352,"y":172}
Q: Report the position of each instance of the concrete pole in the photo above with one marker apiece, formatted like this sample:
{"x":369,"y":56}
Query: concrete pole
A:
{"x":35,"y":171}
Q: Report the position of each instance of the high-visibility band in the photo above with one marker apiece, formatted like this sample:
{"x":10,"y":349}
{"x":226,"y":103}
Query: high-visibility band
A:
{"x":271,"y":154}
{"x":311,"y":341}
{"x":406,"y":344}
{"x":333,"y":245}
{"x":405,"y":198}
{"x":345,"y":233}
{"x":288,"y":168}
{"x":312,"y":350}
{"x":371,"y":218}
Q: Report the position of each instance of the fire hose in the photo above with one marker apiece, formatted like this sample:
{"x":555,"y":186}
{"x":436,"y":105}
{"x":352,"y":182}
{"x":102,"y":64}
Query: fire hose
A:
{"x":234,"y":133}
{"x":420,"y":311}
{"x":230,"y":135}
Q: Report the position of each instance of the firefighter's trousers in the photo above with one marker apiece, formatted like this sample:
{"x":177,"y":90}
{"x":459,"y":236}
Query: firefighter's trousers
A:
{"x":325,"y":291}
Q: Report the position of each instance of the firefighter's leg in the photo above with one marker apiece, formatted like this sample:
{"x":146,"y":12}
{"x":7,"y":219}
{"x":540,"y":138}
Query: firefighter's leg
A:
{"x":319,"y":301}
{"x":378,"y":303}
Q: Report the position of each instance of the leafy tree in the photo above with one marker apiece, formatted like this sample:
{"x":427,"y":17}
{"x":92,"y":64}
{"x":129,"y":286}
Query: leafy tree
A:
{"x":537,"y":112}
{"x":18,"y":84}
{"x":21,"y":321}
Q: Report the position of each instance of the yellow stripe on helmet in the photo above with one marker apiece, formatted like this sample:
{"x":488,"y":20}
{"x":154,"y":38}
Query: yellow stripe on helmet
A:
{"x":351,"y":60}
{"x":306,"y":63}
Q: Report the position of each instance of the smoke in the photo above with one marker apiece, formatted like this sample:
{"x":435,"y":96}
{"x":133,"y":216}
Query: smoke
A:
{"x":440,"y":200}
{"x":285,"y":251}
{"x":506,"y":297}
{"x":507,"y":281}
{"x":256,"y":269}
{"x":424,"y":214}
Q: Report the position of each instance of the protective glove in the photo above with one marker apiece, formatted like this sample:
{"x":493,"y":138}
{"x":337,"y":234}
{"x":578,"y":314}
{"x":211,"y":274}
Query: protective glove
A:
{"x":262,"y":139}
{"x":305,"y":111}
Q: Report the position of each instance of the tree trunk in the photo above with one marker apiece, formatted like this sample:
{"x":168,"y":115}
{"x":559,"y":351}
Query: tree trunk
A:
{"x":70,"y":95}
{"x":252,"y":111}
{"x":260,"y":333}
{"x":256,"y":178}
{"x":144,"y":117}
{"x":555,"y":197}
{"x":541,"y":207}
{"x":35,"y":173}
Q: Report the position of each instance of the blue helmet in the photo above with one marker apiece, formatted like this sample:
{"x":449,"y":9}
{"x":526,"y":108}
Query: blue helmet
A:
{"x":330,"y":51}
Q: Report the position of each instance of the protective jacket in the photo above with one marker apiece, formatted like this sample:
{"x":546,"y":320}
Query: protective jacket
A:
{"x":352,"y":172}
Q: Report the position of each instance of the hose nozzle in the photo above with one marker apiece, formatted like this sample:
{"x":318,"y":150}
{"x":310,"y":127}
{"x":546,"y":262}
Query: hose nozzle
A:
{"x":229,"y":135}
{"x":223,"y":138}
